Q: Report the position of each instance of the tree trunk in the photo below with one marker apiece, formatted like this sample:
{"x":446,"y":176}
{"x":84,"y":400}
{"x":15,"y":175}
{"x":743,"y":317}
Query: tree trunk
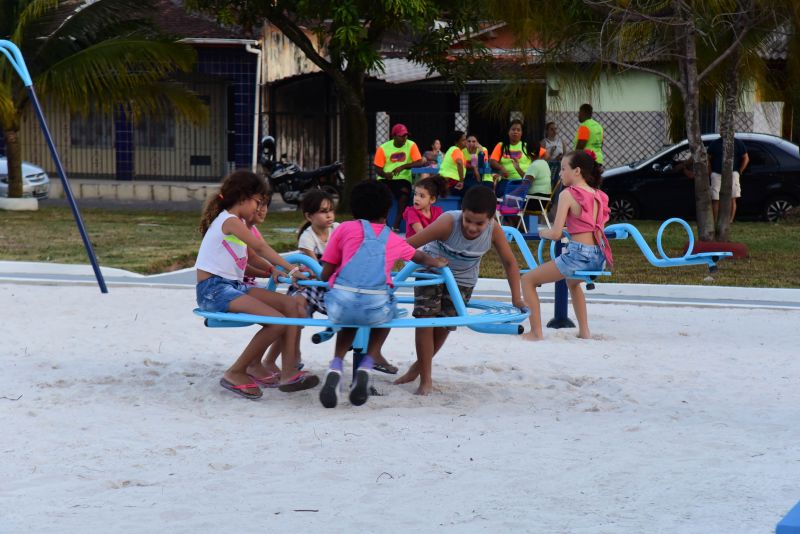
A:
{"x":727,"y":131}
{"x":352,"y":102}
{"x":691,"y":99}
{"x":14,"y":155}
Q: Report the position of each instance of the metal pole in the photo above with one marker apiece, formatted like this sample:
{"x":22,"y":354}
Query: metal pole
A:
{"x":14,"y":56}
{"x":561,"y":319}
{"x":67,"y":190}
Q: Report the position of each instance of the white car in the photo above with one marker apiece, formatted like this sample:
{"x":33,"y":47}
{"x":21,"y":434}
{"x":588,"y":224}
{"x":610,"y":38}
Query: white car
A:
{"x":35,"y":182}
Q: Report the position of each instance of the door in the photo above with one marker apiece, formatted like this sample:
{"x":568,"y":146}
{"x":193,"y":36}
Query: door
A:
{"x":666,"y":188}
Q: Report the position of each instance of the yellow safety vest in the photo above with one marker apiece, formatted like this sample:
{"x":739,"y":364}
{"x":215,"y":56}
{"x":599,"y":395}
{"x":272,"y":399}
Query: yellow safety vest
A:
{"x":397,"y":156}
{"x":449,"y":168}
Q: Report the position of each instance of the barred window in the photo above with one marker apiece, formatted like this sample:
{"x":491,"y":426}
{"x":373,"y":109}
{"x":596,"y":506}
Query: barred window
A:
{"x":156,"y":132}
{"x":95,"y":130}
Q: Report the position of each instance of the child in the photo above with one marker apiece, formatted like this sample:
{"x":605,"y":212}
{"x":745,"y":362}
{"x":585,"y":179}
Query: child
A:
{"x":423,"y":212}
{"x":221,"y":262}
{"x":319,"y":213}
{"x":357,"y":265}
{"x":318,"y":210}
{"x":584,"y":208}
{"x":462,"y":237}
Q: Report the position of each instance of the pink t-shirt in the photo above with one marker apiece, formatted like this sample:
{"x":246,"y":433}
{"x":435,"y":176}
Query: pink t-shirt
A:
{"x":413,"y":215}
{"x":346,"y":239}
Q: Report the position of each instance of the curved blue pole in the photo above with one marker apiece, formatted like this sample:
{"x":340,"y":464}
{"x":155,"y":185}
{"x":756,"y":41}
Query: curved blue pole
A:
{"x":14,"y":56}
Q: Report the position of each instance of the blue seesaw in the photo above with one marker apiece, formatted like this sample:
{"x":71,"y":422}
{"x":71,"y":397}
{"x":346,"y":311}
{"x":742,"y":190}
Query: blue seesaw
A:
{"x":623,"y":231}
{"x":494,"y":317}
{"x":790,"y":524}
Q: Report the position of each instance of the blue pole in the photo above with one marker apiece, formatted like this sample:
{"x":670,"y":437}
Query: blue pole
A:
{"x":14,"y":56}
{"x":561,"y":318}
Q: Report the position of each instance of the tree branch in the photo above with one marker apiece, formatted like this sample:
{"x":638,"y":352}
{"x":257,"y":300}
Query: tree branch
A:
{"x":722,"y":57}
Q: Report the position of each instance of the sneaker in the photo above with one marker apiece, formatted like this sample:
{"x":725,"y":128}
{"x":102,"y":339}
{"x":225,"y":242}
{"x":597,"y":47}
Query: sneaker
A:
{"x":359,"y":389}
{"x":329,"y":395}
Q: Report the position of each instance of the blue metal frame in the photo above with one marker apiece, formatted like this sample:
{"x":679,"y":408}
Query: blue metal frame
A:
{"x":614,"y":231}
{"x":497,"y":317}
{"x":14,"y":56}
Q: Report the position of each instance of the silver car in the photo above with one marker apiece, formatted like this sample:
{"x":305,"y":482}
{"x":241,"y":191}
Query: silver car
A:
{"x":35,"y":182}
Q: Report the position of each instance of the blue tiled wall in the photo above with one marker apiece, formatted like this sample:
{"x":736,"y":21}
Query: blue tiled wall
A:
{"x":239,"y":67}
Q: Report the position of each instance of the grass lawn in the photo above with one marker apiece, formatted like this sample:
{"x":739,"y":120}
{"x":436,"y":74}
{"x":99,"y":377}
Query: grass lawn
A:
{"x":150,"y":242}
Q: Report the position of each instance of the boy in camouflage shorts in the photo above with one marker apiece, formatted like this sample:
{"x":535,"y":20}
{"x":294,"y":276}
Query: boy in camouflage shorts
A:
{"x":462,"y":237}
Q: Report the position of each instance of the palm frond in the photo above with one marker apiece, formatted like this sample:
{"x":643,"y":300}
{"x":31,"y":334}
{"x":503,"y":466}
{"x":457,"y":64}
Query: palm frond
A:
{"x":32,"y":16}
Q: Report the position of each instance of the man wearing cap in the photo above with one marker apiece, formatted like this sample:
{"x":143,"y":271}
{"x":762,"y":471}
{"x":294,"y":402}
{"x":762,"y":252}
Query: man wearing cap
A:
{"x":394,"y":160}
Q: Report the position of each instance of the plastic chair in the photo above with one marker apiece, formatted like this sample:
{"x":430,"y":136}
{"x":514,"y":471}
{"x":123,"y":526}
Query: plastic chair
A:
{"x":513,"y":203}
{"x":545,"y":202}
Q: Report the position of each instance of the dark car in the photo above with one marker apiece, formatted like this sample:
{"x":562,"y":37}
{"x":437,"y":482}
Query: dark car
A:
{"x":661,"y":187}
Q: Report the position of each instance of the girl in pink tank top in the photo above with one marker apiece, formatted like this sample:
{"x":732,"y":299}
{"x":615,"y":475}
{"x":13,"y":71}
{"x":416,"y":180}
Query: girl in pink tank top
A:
{"x":583,"y":208}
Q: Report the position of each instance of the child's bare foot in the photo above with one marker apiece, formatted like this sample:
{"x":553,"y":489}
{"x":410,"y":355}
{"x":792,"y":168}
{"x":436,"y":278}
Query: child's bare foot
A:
{"x":261,"y":371}
{"x":584,"y":335}
{"x":410,"y":376}
{"x":270,"y":367}
{"x":424,"y":389}
{"x":530,"y":336}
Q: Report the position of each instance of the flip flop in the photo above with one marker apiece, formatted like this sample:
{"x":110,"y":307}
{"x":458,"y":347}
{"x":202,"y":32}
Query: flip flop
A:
{"x":240,"y":389}
{"x":271,"y":380}
{"x":300,"y":381}
{"x":387,"y":368}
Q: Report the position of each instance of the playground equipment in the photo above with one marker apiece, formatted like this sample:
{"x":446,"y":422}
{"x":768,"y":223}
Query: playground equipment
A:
{"x":614,"y":231}
{"x":494,"y":317}
{"x":14,"y":56}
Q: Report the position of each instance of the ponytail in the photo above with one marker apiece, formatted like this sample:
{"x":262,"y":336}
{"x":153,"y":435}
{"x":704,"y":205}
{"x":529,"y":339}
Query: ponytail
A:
{"x":237,"y":186}
{"x":586,"y":161}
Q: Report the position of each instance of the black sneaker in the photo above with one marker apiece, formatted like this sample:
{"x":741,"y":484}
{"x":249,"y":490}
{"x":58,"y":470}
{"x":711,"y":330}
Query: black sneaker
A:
{"x":329,"y":395}
{"x":359,"y":389}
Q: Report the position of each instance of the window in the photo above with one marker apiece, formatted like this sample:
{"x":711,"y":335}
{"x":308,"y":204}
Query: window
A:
{"x":156,"y":132}
{"x":759,"y":157}
{"x":95,"y":130}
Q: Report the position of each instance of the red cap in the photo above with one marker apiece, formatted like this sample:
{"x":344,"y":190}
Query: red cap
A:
{"x":399,"y":129}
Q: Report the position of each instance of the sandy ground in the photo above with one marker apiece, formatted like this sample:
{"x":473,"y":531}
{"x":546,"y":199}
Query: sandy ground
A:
{"x":672,"y":420}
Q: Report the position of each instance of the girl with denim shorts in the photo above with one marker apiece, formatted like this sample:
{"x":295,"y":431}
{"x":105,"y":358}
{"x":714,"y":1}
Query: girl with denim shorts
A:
{"x":221,"y":263}
{"x":584,"y":210}
{"x":357,"y":264}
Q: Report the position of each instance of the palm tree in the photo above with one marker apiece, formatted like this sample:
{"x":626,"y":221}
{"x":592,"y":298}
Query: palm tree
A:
{"x":86,"y":56}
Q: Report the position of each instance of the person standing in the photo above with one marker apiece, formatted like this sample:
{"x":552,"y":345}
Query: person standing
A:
{"x":590,"y":134}
{"x":393,"y":162}
{"x":555,"y":147}
{"x":741,"y":159}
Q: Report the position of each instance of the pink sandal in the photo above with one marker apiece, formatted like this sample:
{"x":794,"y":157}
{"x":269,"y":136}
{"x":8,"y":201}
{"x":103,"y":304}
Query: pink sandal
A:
{"x":240,"y":389}
{"x":300,"y":381}
{"x":271,"y":380}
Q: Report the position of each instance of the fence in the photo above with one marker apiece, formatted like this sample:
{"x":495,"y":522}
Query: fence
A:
{"x":309,"y":139}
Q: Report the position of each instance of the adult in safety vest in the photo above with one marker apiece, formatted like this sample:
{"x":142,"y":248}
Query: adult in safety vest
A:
{"x":393,"y":162}
{"x":590,"y":134}
{"x":510,"y":159}
{"x":476,"y":158}
{"x":453,"y":166}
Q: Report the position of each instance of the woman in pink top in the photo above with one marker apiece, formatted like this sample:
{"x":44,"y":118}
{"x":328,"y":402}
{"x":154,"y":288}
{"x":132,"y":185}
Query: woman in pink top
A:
{"x":423,"y":212}
{"x":584,"y":209}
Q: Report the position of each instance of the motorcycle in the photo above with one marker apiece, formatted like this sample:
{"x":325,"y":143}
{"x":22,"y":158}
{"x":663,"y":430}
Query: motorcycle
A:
{"x":292,"y":182}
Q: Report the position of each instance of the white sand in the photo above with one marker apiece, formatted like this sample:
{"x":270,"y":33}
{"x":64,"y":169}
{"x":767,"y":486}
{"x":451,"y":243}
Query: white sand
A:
{"x":675,"y":420}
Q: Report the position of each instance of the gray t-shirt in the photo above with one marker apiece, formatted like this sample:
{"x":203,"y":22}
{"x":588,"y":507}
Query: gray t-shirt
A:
{"x":464,"y":255}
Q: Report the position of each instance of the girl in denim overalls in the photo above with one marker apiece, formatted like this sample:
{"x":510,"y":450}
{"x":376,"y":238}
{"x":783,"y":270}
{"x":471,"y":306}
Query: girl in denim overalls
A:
{"x":357,"y":265}
{"x":584,"y":210}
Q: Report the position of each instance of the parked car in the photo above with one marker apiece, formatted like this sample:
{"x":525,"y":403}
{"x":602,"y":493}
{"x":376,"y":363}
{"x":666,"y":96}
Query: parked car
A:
{"x":35,"y":182}
{"x":659,"y":187}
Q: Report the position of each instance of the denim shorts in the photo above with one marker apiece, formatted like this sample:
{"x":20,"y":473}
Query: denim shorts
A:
{"x":347,"y":307}
{"x":216,"y":293}
{"x":580,"y":257}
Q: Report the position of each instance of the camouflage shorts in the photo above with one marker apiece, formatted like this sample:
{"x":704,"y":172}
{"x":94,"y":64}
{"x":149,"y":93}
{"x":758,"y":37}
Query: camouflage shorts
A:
{"x":435,"y":301}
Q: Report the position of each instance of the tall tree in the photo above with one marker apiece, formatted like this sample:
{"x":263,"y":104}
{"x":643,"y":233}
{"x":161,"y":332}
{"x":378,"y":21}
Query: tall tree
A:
{"x":90,"y":56}
{"x":351,"y":32}
{"x":683,"y":42}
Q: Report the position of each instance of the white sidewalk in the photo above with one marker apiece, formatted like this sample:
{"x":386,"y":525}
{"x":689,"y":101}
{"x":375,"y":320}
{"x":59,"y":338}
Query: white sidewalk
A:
{"x":653,"y":294}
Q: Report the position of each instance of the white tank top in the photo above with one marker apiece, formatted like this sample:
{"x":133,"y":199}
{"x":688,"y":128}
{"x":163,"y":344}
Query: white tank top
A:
{"x":222,"y":254}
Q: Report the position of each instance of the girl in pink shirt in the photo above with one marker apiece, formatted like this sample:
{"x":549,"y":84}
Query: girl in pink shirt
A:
{"x":357,"y":264}
{"x":423,"y":212}
{"x":584,"y":209}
